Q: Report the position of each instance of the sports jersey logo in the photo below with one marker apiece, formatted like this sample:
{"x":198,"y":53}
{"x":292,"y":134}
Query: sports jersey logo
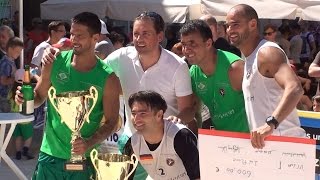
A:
{"x":201,"y":86}
{"x":222,"y":92}
{"x":62,"y":77}
{"x":170,"y":162}
{"x":248,"y":74}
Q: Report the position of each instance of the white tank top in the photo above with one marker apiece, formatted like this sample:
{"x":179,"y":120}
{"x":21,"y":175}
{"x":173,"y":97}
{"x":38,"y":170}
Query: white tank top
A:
{"x":164,"y":162}
{"x":262,"y":96}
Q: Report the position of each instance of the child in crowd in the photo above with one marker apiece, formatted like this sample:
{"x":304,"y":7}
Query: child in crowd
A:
{"x":7,"y":73}
{"x":316,"y":103}
{"x":7,"y":80}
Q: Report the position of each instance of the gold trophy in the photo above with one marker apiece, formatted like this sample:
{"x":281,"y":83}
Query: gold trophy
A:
{"x":74,"y":108}
{"x":113,"y":166}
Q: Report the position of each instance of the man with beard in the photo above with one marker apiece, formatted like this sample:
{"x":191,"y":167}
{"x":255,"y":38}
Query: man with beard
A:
{"x":271,"y":89}
{"x":75,"y":70}
{"x":216,"y":78}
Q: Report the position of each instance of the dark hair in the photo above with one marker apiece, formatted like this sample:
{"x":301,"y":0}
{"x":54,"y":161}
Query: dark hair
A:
{"x":271,"y":26}
{"x":316,"y":98}
{"x":157,"y":20}
{"x":152,"y":99}
{"x":197,"y":25}
{"x":54,"y":25}
{"x":14,"y":42}
{"x":248,"y":12}
{"x":284,"y":29}
{"x":90,"y":20}
{"x":116,"y":37}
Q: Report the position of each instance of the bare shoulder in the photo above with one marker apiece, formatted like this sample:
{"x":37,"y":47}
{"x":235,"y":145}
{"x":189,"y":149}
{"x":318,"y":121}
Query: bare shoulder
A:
{"x":269,"y":60}
{"x":237,"y":65}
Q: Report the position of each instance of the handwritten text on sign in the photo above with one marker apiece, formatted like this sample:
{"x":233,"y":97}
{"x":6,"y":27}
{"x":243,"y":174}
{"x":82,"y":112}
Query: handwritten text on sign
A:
{"x":228,"y":155}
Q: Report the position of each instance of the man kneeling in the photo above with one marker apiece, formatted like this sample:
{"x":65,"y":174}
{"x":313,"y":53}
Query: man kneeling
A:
{"x":164,"y":149}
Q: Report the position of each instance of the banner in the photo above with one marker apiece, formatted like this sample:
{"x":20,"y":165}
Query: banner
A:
{"x":228,"y":156}
{"x":310,"y":122}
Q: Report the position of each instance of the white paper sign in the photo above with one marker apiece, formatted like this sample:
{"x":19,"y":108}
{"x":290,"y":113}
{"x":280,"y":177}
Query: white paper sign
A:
{"x":230,"y":156}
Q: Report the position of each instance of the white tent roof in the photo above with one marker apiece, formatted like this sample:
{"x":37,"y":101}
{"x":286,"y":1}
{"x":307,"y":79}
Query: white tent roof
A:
{"x":269,"y":9}
{"x":170,"y":10}
{"x":66,"y":9}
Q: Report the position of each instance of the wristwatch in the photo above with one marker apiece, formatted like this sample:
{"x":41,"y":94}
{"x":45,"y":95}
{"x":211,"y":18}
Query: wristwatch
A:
{"x":272,"y":120}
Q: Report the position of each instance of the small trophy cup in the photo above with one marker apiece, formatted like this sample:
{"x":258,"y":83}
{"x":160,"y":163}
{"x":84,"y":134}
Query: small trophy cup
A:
{"x":113,"y":166}
{"x":74,"y":109}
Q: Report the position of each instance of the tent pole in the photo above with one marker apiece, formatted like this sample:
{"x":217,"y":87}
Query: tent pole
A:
{"x":21,"y":30}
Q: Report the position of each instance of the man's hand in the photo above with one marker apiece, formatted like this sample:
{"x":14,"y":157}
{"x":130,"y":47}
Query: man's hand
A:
{"x":18,"y":98}
{"x":258,"y":135}
{"x":49,"y":55}
{"x":174,"y":119}
{"x":79,"y":146}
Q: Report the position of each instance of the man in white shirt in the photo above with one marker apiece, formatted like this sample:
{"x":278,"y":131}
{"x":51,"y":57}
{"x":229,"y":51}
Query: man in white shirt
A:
{"x":56,"y":31}
{"x":271,"y":89}
{"x":148,"y":66}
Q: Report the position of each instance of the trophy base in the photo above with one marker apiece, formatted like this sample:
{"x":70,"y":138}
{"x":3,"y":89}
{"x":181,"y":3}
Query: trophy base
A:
{"x":74,"y":166}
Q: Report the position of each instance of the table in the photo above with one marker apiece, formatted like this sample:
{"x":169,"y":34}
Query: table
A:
{"x":11,"y":119}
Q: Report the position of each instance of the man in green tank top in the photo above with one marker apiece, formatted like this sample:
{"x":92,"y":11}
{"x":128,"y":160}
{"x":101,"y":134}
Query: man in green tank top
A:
{"x":75,"y":70}
{"x":216,"y":77}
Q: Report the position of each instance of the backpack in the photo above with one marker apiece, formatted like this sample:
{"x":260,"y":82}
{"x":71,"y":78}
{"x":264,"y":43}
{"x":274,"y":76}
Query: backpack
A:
{"x":305,"y":43}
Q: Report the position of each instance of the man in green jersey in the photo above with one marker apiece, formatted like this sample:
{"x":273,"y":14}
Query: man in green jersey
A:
{"x":75,"y":70}
{"x":216,"y":77}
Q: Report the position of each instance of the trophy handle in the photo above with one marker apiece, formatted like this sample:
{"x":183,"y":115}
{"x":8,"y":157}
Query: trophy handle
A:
{"x":134,"y":162}
{"x":52,"y":97}
{"x":94,"y":157}
{"x":94,"y":95}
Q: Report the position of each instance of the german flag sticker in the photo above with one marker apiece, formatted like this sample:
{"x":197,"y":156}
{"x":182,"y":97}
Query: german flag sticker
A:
{"x":146,"y":157}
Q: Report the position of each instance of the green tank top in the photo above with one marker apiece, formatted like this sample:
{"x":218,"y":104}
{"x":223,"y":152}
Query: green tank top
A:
{"x":226,"y":105}
{"x":57,"y":136}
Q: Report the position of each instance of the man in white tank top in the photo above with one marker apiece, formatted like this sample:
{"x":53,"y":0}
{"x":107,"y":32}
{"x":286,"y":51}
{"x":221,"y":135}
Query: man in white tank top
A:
{"x":271,"y":89}
{"x":164,"y":149}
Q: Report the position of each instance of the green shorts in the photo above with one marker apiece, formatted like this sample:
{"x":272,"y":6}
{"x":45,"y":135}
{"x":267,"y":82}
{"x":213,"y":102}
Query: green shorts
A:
{"x":52,"y":168}
{"x":24,"y":130}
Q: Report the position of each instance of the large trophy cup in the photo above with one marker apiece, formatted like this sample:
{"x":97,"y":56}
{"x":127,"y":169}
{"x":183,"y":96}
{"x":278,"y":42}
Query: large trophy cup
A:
{"x":74,"y":109}
{"x":113,"y":166}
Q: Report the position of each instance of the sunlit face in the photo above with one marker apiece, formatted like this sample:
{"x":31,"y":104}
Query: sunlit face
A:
{"x":143,"y":118}
{"x":83,"y":42}
{"x":316,"y":106}
{"x":237,"y":28}
{"x":145,"y":37}
{"x":14,"y":52}
{"x":270,"y":35}
{"x":195,"y":48}
{"x":4,"y":38}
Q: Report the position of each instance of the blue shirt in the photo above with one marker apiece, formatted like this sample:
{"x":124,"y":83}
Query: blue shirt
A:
{"x":7,"y":69}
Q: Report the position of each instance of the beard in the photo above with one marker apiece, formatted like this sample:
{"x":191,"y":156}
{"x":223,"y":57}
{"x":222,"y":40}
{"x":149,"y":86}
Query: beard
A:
{"x":242,"y":37}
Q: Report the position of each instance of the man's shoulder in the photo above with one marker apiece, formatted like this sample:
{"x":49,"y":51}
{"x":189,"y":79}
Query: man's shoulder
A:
{"x":172,"y":57}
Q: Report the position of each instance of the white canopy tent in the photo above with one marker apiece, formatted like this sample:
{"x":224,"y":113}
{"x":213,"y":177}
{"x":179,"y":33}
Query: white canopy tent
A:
{"x":172,"y":11}
{"x":269,"y":9}
{"x":66,"y":9}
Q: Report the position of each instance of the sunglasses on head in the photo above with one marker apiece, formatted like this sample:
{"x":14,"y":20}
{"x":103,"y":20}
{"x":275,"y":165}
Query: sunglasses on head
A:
{"x":268,"y":33}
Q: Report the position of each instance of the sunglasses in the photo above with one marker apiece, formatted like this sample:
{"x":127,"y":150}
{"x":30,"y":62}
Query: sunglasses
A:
{"x":268,"y":33}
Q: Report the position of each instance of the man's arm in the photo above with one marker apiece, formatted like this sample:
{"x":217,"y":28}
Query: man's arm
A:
{"x":236,"y":75}
{"x":186,"y":107}
{"x":272,"y":63}
{"x":185,"y":144}
{"x":111,"y":94}
{"x":314,"y":69}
